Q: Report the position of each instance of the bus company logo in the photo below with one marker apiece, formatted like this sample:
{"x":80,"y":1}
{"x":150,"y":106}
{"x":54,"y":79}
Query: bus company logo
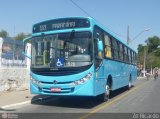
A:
{"x":55,"y":82}
{"x":4,"y":116}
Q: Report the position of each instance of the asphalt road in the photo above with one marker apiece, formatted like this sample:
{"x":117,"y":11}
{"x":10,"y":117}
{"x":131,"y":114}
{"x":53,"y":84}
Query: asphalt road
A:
{"x":144,"y":97}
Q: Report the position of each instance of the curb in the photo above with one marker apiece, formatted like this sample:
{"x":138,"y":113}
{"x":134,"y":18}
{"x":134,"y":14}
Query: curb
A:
{"x":23,"y":103}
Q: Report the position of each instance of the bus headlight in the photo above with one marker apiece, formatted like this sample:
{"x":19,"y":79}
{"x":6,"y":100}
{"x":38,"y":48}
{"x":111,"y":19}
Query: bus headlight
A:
{"x":36,"y":82}
{"x":82,"y":80}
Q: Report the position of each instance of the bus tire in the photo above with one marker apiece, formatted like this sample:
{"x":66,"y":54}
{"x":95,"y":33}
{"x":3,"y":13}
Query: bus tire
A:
{"x":105,"y":96}
{"x":129,"y":83}
{"x":107,"y":92}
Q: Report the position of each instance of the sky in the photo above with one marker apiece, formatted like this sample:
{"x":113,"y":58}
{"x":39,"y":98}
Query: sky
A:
{"x":19,"y":15}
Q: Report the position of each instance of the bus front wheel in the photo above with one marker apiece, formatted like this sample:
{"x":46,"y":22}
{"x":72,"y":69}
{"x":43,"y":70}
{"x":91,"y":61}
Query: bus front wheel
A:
{"x":107,"y":93}
{"x":130,"y":83}
{"x":105,"y":96}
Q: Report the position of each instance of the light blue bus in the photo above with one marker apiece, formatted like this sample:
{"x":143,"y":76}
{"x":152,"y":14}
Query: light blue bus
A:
{"x":76,"y":56}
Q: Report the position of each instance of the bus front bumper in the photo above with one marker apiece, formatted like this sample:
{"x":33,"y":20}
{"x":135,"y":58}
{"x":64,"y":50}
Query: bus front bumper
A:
{"x":86,"y":89}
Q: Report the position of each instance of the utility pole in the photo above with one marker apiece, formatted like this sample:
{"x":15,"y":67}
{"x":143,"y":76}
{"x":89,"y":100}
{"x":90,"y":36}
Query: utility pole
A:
{"x":129,"y":41}
{"x":151,"y":69}
{"x":144,"y":63}
{"x":132,"y":39}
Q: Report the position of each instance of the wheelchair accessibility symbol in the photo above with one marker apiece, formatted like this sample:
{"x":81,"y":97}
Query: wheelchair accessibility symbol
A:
{"x":60,"y":62}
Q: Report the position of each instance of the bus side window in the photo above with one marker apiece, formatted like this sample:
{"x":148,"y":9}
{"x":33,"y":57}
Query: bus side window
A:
{"x":98,"y":55}
{"x":121,"y":51}
{"x":134,"y":55}
{"x":107,"y":41}
{"x":100,"y":36}
{"x":129,"y":55}
{"x":115,"y":49}
{"x":125,"y":54}
{"x":133,"y":60}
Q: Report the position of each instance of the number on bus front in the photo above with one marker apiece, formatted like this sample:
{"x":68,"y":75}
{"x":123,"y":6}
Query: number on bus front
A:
{"x":42,"y":27}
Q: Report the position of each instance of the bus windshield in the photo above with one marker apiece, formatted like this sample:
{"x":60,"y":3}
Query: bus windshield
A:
{"x":62,"y":50}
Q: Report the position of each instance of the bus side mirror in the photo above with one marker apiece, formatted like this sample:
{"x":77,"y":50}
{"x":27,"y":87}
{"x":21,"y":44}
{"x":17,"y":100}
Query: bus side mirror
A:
{"x":27,"y":47}
{"x":99,"y":45}
{"x":26,"y":55}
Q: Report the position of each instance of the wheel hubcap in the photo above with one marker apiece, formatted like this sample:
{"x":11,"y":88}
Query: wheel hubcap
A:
{"x":129,"y":84}
{"x":107,"y":90}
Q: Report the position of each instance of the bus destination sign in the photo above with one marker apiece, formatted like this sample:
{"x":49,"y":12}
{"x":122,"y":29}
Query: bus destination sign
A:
{"x":59,"y":24}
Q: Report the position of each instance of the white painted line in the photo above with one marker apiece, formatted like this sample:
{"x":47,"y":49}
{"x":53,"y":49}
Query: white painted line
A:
{"x":23,"y":103}
{"x":14,"y":68}
{"x":16,"y":104}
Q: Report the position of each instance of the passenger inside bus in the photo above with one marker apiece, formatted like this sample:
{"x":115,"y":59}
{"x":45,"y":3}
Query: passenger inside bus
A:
{"x":107,"y":46}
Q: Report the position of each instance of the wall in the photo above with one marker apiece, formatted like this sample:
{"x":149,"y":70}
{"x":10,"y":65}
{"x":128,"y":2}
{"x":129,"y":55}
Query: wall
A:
{"x":14,"y":79}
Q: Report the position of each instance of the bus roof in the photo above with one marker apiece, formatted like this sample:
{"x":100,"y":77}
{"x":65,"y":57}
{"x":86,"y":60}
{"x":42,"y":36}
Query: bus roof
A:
{"x":110,"y":32}
{"x":93,"y":22}
{"x":63,"y":18}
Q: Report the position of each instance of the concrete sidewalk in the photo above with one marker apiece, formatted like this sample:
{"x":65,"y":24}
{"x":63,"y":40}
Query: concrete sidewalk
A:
{"x":19,"y":97}
{"x":13,"y":97}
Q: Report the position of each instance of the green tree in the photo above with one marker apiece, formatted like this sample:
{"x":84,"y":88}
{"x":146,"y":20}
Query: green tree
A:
{"x":152,"y":52}
{"x":21,"y":36}
{"x":157,"y":52}
{"x":153,"y":43}
{"x":4,"y":33}
{"x":141,"y":50}
{"x":152,"y":60}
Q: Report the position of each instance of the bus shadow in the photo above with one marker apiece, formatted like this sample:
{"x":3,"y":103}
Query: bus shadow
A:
{"x":73,"y":101}
{"x":68,"y":102}
{"x":119,"y":91}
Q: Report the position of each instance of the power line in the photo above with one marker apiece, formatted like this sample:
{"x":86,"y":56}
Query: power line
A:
{"x":81,"y":8}
{"x":94,"y":18}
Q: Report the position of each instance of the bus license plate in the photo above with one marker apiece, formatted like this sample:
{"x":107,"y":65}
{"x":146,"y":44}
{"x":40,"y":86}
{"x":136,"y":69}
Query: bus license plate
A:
{"x":55,"y":89}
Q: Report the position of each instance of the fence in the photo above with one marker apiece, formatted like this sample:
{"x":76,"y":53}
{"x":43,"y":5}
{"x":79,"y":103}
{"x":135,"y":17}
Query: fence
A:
{"x":11,"y":53}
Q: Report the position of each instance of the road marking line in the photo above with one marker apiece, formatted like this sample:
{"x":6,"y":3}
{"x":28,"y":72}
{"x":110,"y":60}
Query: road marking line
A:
{"x":23,"y":103}
{"x":107,"y":104}
{"x":16,"y":104}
